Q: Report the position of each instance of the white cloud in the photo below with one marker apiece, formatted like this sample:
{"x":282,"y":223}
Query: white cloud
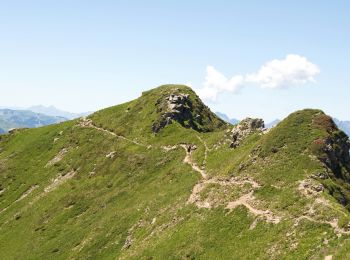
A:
{"x":207,"y":93}
{"x":292,"y":71}
{"x":216,"y":82}
{"x":215,"y":79}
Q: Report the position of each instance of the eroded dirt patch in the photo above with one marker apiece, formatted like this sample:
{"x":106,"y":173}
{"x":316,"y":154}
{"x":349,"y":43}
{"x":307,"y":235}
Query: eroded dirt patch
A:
{"x":247,"y":201}
{"x":59,"y":157}
{"x":27,"y":193}
{"x":59,"y":180}
{"x":87,"y":123}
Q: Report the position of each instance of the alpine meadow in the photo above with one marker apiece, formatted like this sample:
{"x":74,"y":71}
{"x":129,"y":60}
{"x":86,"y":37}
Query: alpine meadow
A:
{"x":180,"y":130}
{"x":163,"y":177}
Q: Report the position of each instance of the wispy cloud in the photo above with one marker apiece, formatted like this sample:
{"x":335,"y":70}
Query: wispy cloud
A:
{"x":294,"y":70}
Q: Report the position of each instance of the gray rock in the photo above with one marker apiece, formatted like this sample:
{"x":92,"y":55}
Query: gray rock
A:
{"x":318,"y":188}
{"x":337,"y":156}
{"x":245,"y":128}
{"x":177,"y":109}
{"x":320,"y":175}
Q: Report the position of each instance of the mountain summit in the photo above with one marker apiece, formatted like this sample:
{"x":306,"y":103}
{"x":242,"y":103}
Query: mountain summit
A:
{"x":163,"y":177}
{"x":158,"y":108}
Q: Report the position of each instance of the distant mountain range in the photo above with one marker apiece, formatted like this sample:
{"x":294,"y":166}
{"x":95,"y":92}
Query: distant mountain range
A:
{"x":227,"y":119}
{"x":343,"y":125}
{"x":53,"y":111}
{"x":24,"y":118}
{"x":34,"y":116}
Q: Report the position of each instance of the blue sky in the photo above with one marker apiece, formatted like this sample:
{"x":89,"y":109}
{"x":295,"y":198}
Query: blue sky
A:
{"x":86,"y":55}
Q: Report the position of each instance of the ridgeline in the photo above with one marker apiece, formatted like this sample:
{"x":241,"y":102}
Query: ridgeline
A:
{"x":162,"y":177}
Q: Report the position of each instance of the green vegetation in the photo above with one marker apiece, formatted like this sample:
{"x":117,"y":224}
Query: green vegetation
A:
{"x":109,"y":187}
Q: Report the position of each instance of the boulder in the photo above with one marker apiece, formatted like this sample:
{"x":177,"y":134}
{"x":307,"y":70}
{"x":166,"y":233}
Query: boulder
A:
{"x":245,"y":128}
{"x":184,"y":107}
{"x":320,"y":175}
{"x":336,"y":148}
{"x":178,"y":108}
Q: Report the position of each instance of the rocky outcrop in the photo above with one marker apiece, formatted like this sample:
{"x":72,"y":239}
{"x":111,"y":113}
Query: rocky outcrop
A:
{"x":333,"y":152}
{"x":336,"y":155}
{"x":16,"y":130}
{"x":309,"y":187}
{"x":244,"y":129}
{"x":185,"y":109}
{"x":177,"y":108}
{"x":177,"y":103}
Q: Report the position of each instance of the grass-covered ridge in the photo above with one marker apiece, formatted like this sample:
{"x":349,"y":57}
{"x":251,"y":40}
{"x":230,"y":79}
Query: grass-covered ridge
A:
{"x":109,"y":187}
{"x":137,"y":117}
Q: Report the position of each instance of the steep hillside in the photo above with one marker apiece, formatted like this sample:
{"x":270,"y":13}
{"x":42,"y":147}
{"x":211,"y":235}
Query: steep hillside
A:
{"x":163,"y":177}
{"x":157,"y":108}
{"x":23,"y":118}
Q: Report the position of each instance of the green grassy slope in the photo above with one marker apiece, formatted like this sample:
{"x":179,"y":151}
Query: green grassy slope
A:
{"x":108,"y":187}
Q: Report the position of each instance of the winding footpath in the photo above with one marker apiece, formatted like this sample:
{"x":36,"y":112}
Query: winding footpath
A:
{"x":188,"y":160}
{"x":245,"y":200}
{"x":87,"y":123}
